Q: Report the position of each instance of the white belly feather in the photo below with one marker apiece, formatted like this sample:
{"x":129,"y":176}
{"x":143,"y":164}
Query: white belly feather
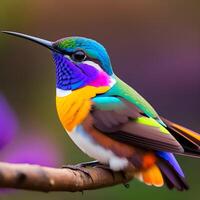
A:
{"x":85,"y":142}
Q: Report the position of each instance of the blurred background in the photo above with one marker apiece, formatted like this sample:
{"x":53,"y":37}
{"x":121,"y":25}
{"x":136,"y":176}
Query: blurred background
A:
{"x":154,"y":46}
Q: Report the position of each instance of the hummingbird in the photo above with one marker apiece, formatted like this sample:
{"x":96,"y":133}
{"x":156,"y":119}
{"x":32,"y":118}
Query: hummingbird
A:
{"x":110,"y":121}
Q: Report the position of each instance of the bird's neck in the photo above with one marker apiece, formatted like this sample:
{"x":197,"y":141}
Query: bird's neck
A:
{"x":72,"y":76}
{"x":74,"y":107}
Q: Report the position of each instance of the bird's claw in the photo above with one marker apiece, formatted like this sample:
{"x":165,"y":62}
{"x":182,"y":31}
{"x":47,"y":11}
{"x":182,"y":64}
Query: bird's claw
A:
{"x":107,"y":168}
{"x":80,"y":168}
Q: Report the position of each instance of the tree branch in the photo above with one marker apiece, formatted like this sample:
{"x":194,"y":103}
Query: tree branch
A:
{"x":39,"y":178}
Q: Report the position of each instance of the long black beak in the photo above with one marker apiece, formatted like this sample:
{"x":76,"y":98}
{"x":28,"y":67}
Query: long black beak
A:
{"x":37,"y":40}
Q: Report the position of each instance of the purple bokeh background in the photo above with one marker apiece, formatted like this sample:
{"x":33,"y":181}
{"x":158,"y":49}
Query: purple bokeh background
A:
{"x":25,"y":146}
{"x":8,"y":122}
{"x":34,"y":148}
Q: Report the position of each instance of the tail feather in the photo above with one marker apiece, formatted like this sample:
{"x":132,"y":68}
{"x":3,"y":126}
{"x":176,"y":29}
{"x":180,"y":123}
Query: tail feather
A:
{"x":165,"y":170}
{"x":171,"y":177}
{"x":171,"y":171}
{"x":189,"y":139}
{"x":151,"y":176}
{"x":160,"y":174}
{"x":169,"y":184}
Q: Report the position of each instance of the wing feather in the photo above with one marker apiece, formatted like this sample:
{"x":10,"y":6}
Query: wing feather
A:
{"x":124,"y":122}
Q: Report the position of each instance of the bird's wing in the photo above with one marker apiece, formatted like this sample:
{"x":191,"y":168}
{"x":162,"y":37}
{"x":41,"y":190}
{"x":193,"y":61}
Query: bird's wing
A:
{"x":123,"y":121}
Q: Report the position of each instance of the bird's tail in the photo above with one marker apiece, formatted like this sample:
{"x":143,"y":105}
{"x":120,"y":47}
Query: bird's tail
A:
{"x":165,"y":171}
{"x":171,"y":171}
{"x":189,"y":139}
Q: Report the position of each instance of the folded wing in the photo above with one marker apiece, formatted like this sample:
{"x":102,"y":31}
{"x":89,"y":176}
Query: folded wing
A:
{"x":124,"y":122}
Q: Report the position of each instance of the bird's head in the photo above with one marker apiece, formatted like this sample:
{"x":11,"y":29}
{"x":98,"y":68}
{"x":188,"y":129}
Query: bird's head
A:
{"x":79,"y":61}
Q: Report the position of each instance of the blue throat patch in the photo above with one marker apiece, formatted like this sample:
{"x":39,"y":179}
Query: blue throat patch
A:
{"x":71,"y":76}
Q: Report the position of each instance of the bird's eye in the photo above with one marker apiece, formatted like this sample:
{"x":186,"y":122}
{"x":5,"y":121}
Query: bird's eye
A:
{"x":78,"y":56}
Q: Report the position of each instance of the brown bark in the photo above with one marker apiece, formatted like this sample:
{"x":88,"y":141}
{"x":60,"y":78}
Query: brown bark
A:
{"x":39,"y":178}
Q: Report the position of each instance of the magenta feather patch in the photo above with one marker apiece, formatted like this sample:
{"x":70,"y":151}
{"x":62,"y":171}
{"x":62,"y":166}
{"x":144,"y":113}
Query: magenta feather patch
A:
{"x":101,"y":80}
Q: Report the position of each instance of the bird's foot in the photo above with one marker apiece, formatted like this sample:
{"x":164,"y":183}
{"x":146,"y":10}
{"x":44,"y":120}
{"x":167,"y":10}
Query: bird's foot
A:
{"x":83,"y":167}
{"x":78,"y":168}
{"x":97,"y":164}
{"x":106,"y":167}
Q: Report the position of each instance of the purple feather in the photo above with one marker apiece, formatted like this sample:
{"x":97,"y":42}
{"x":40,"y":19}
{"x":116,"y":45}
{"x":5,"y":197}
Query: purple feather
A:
{"x":172,"y":161}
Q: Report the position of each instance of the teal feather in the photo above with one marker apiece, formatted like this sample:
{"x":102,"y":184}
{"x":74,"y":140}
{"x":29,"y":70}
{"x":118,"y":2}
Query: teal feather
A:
{"x":108,"y":103}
